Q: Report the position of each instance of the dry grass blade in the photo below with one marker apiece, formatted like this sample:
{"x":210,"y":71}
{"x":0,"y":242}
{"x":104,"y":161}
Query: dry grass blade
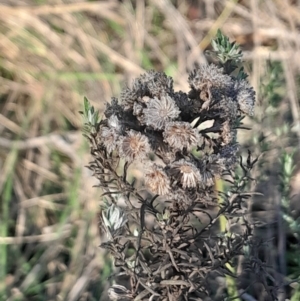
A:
{"x":42,"y":238}
{"x":59,"y":9}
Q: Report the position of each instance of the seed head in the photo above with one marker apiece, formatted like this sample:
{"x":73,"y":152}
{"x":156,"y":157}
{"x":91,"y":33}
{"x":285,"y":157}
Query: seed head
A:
{"x":209,"y":77}
{"x":157,"y":83}
{"x":134,"y":146}
{"x":245,"y":97}
{"x":181,"y":135}
{"x":109,"y":137}
{"x":160,"y":111}
{"x":186,"y":172}
{"x":157,"y":180}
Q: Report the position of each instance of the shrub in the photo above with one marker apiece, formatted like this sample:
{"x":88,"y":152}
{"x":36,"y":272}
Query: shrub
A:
{"x":162,"y":229}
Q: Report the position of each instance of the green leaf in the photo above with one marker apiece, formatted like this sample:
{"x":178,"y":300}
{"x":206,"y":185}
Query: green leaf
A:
{"x":86,"y":106}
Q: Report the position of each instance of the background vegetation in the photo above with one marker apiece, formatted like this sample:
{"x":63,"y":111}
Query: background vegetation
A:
{"x":52,"y":53}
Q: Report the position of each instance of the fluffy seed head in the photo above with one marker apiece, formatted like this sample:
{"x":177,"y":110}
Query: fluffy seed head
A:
{"x":209,"y":77}
{"x":180,"y":135}
{"x":157,"y":83}
{"x":109,"y":137}
{"x":228,"y":155}
{"x":129,"y":96}
{"x":245,"y":97}
{"x":228,"y":108}
{"x":186,"y":172}
{"x":134,"y":146}
{"x":160,"y":148}
{"x":211,"y":167}
{"x":160,"y":111}
{"x":157,"y":180}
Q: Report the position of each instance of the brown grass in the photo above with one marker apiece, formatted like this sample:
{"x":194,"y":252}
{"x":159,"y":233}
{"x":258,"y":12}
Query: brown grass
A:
{"x":52,"y":53}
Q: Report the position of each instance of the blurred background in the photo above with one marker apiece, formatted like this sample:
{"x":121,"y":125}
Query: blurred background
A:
{"x":55,"y":52}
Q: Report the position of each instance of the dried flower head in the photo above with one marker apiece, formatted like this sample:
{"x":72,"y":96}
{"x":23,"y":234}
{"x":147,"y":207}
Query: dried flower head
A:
{"x":109,"y":135}
{"x":209,"y":77}
{"x":113,"y":108}
{"x":134,"y":146}
{"x":181,"y":135}
{"x":186,"y":172}
{"x":138,"y":112}
{"x":245,"y":96}
{"x":109,"y":138}
{"x":129,"y":96}
{"x":228,"y":155}
{"x":228,"y":108}
{"x":160,"y":148}
{"x":188,"y":107}
{"x":157,"y":180}
{"x":160,"y":111}
{"x":208,"y":178}
{"x":211,"y":168}
{"x":215,"y":165}
{"x":157,"y":83}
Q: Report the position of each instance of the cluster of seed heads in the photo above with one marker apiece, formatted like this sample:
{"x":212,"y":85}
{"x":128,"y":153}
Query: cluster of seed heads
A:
{"x":181,"y":143}
{"x":152,"y":119}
